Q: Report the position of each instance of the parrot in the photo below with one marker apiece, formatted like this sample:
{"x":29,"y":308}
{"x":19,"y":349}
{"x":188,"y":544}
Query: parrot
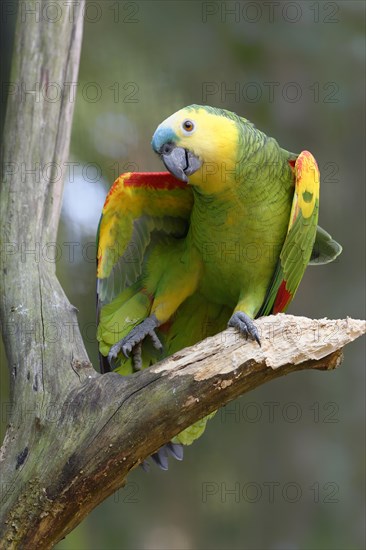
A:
{"x":219,"y":239}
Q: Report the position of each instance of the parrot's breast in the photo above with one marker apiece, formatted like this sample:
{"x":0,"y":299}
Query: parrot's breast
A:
{"x":239,"y":242}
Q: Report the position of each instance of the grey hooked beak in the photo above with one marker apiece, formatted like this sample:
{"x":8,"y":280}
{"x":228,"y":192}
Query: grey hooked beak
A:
{"x":180,"y":162}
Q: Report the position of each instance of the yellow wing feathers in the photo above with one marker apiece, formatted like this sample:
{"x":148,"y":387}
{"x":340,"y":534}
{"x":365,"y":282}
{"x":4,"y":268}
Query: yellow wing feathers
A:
{"x":306,"y":187}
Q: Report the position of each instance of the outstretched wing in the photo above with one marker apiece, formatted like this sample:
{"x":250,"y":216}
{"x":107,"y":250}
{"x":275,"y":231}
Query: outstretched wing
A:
{"x":137,"y":205}
{"x":140,"y":210}
{"x":299,"y":242}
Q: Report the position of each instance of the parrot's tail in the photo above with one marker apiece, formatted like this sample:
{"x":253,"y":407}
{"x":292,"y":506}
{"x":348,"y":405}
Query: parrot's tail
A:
{"x":196,"y":319}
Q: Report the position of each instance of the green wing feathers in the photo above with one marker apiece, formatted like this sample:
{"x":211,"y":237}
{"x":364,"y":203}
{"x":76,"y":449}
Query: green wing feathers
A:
{"x":137,"y":205}
{"x":299,"y":241}
{"x":141,"y":209}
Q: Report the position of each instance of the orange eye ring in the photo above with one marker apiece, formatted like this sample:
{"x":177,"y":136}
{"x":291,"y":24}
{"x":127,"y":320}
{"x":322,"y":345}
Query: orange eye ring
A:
{"x":188,"y":126}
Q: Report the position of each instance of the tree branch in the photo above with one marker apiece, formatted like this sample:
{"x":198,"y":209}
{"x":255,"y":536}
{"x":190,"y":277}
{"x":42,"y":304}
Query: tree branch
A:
{"x":104,"y":426}
{"x":73,"y":434}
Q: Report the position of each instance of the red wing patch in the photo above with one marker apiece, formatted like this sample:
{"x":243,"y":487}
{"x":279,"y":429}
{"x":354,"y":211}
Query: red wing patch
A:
{"x":292,"y":163}
{"x":157,"y":180}
{"x":154,"y":180}
{"x":282,"y":299}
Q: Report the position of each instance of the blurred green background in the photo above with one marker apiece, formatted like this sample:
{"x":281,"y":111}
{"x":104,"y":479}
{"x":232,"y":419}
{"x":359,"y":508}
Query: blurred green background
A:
{"x":284,"y":466}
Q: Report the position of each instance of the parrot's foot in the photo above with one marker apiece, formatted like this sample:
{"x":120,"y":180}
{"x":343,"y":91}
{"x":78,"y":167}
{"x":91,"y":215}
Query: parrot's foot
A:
{"x":161,"y":456}
{"x":132,"y":342}
{"x":245,"y":325}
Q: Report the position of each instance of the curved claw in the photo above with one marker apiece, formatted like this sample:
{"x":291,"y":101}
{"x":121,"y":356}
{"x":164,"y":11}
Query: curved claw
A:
{"x":160,"y":457}
{"x":126,"y":351}
{"x":245,"y":325}
{"x":175,"y":449}
{"x":132,"y":342}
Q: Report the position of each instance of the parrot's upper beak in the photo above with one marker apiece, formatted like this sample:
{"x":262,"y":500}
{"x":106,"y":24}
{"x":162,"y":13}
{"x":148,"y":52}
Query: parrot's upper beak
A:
{"x":180,"y":162}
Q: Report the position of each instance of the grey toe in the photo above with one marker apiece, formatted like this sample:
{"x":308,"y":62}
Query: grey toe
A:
{"x":245,"y":325}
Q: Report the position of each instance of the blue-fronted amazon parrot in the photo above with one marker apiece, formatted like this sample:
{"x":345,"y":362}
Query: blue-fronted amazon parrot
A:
{"x":221,"y":238}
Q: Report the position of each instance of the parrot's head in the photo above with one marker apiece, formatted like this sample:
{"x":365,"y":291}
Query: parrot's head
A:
{"x":196,"y":144}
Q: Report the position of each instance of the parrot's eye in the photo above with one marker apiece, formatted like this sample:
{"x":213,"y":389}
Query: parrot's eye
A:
{"x":188,"y":126}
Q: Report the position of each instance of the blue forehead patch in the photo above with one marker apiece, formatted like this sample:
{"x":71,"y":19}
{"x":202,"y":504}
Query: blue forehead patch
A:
{"x":163,"y":134}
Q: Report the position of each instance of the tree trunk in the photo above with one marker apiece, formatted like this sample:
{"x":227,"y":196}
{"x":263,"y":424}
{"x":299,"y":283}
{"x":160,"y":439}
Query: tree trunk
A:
{"x":73,"y":434}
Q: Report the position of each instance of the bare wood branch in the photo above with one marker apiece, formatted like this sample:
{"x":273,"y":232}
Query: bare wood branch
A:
{"x":74,"y":435}
{"x":107,"y":425}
